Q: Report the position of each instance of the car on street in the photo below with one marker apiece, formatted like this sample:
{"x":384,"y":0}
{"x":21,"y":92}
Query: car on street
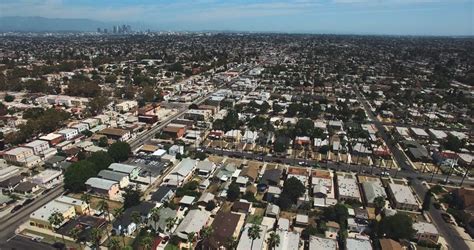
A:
{"x":16,"y":208}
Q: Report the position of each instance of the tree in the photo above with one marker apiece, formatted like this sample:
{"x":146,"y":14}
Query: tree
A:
{"x":97,"y":104}
{"x":110,"y":78}
{"x":398,"y":226}
{"x":191,"y":239}
{"x":103,"y":206}
{"x":136,"y":218}
{"x":148,"y":94}
{"x":77,"y":174}
{"x":453,"y":143}
{"x":254,"y":233}
{"x":74,"y":233}
{"x":155,"y":216}
{"x":233,"y":192}
{"x":101,"y":160}
{"x":379,"y":203}
{"x":146,"y":242}
{"x":56,"y":219}
{"x":293,"y":188}
{"x":9,"y":98}
{"x":201,"y":156}
{"x":119,"y":151}
{"x":170,"y":222}
{"x":131,"y":197}
{"x":427,"y":201}
{"x":273,"y":240}
{"x":210,"y":205}
{"x":231,"y":243}
{"x":86,"y":198}
{"x":103,"y":142}
{"x":206,"y":233}
{"x":114,"y":243}
{"x":304,"y":127}
{"x":96,"y":236}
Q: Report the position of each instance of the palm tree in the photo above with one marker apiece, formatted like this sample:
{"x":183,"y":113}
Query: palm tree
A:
{"x":118,"y":212}
{"x":56,"y":219}
{"x":170,"y":223}
{"x":136,"y":218}
{"x":231,"y":243}
{"x":206,"y":233}
{"x":114,"y":243}
{"x":191,"y":239}
{"x":87,"y":199}
{"x":146,"y":242}
{"x":273,"y":240}
{"x":103,"y":206}
{"x":254,"y":233}
{"x":74,"y":233}
{"x":155,"y":216}
{"x":96,"y":236}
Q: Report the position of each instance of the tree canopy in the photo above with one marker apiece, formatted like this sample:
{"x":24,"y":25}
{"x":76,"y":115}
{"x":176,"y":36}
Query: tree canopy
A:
{"x":398,"y":226}
{"x":119,"y":151}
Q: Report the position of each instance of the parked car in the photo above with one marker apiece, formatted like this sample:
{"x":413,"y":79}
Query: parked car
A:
{"x":28,"y":201}
{"x":16,"y":208}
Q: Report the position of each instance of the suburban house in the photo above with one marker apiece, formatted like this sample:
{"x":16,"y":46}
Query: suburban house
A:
{"x":125,"y":224}
{"x":271,"y":177}
{"x":372,"y":190}
{"x":48,"y":178}
{"x":205,"y":168}
{"x":225,"y":226}
{"x":122,"y":179}
{"x":107,"y":188}
{"x":288,"y":240}
{"x":181,"y":173}
{"x":245,"y":243}
{"x":319,"y":243}
{"x":22,"y":156}
{"x":163,"y":194}
{"x":68,"y":133}
{"x":130,"y":170}
{"x":193,"y":222}
{"x":26,"y":188}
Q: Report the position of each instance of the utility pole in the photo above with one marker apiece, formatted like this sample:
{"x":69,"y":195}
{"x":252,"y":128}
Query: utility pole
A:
{"x":465,"y":174}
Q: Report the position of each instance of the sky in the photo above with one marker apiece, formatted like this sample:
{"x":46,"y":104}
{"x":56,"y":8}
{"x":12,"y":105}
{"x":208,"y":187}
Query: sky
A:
{"x":392,"y":17}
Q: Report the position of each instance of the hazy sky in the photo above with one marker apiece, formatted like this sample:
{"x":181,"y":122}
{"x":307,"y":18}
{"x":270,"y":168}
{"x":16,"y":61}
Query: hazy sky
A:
{"x":416,"y":17}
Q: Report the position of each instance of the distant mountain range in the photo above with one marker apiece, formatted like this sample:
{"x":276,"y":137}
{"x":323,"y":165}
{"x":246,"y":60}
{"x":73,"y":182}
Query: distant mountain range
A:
{"x":42,"y":24}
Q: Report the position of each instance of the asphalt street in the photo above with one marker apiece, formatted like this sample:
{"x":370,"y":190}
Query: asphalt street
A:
{"x":451,"y":236}
{"x":10,"y":223}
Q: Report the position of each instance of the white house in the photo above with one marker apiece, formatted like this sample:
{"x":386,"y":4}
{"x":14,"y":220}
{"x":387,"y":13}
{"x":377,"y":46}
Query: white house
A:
{"x":69,"y":133}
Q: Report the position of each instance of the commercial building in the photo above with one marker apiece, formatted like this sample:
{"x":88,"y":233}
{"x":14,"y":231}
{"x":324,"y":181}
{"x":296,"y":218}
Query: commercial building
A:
{"x":38,"y":146}
{"x":347,"y":187}
{"x":402,"y":197}
{"x":426,"y":232}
